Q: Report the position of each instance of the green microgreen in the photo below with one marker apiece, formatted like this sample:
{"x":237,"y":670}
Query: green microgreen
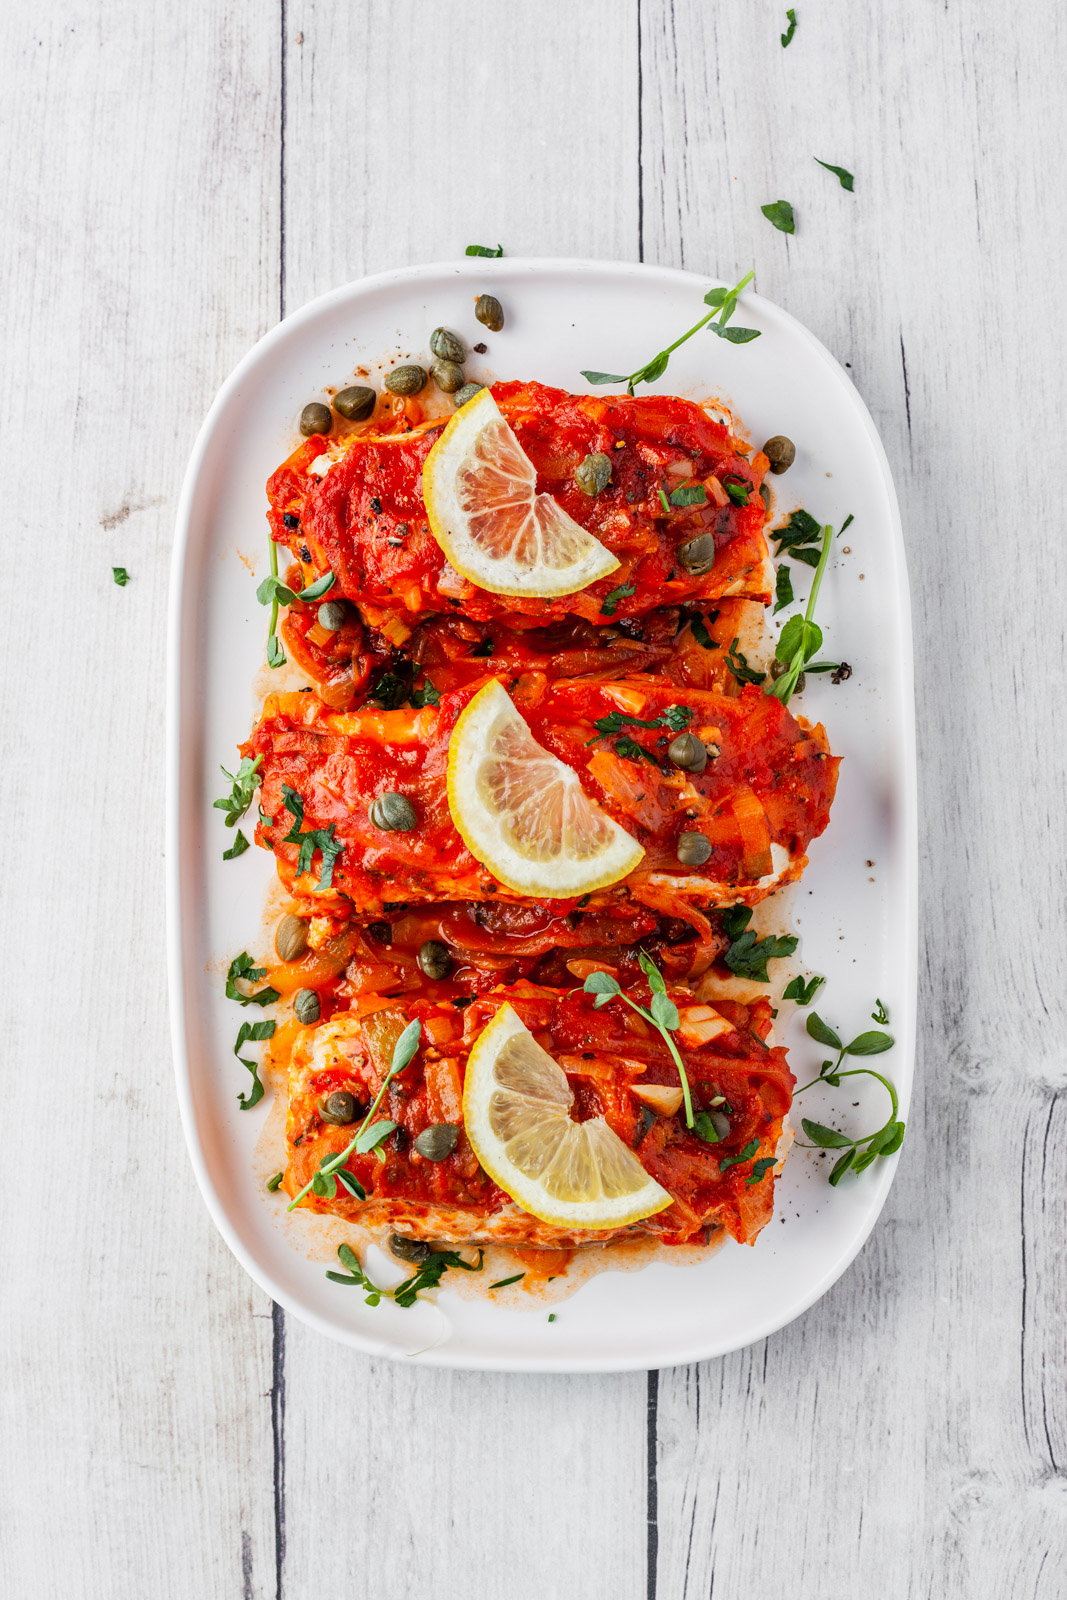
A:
{"x":630,"y":750}
{"x":252,"y":1033}
{"x":324,"y":1181}
{"x":804,"y":993}
{"x":723,"y":303}
{"x":121,"y":576}
{"x":860,"y":1152}
{"x":237,"y":848}
{"x":780,"y":214}
{"x":738,"y":490}
{"x":393,"y":689}
{"x":242,"y":969}
{"x":612,"y":598}
{"x":311,"y":840}
{"x":787,"y":36}
{"x":738,"y":667}
{"x":273,"y":592}
{"x":484,"y":250}
{"x":801,"y":530}
{"x":661,"y":1012}
{"x":245,"y":782}
{"x":748,"y":956}
{"x":880,"y":1014}
{"x":275,"y":653}
{"x":845,"y":178}
{"x":801,"y":637}
{"x":428,"y":1276}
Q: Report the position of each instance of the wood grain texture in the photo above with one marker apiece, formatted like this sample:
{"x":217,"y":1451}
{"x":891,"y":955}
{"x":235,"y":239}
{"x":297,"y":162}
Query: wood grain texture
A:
{"x":172,"y":181}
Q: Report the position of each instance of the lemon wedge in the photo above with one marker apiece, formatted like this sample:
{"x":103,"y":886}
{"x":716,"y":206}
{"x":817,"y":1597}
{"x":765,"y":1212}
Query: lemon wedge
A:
{"x":480,"y":489}
{"x":523,"y":813}
{"x":516,"y":1112}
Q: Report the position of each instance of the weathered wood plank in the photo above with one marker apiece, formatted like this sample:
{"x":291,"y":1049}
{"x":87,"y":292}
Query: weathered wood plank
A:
{"x":912,"y":1424}
{"x":139,"y":260}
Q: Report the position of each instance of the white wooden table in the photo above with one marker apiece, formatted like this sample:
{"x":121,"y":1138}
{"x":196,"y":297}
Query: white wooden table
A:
{"x":174,"y":179}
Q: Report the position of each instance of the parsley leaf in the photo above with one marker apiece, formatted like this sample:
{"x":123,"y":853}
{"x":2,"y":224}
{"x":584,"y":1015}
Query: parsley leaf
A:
{"x":735,"y":920}
{"x":121,"y":576}
{"x":311,"y":840}
{"x":738,"y":490}
{"x":783,"y":591}
{"x":698,"y":628}
{"x":242,"y":969}
{"x":787,"y":36}
{"x":737,"y":664}
{"x":748,"y":957}
{"x":705,"y":1128}
{"x":801,"y":529}
{"x":484,"y":250}
{"x":803,"y":993}
{"x":801,"y":637}
{"x":630,"y":750}
{"x":845,"y":178}
{"x":237,"y":848}
{"x":723,"y":303}
{"x":780,"y":214}
{"x":743,"y":1155}
{"x":252,"y":1033}
{"x":860,"y":1152}
{"x":245,"y":782}
{"x":880,"y":1014}
{"x":690,"y":494}
{"x":611,"y":600}
{"x":426,"y":696}
{"x":675,"y":718}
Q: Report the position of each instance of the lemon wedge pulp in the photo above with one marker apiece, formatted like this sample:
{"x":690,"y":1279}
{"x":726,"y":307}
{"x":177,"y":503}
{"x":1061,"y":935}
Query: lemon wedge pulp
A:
{"x":516,"y":1113}
{"x":523,"y":813}
{"x":480,"y":489}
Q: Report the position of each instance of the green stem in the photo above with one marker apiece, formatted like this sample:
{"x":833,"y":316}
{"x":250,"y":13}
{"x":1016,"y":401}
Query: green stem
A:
{"x":717,"y":311}
{"x":272,"y":634}
{"x":336,"y":1162}
{"x":854,"y":1072}
{"x":679,"y":1063}
{"x":827,"y":535}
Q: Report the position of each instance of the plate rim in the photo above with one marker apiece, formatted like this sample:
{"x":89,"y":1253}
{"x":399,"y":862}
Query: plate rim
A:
{"x":906,"y":789}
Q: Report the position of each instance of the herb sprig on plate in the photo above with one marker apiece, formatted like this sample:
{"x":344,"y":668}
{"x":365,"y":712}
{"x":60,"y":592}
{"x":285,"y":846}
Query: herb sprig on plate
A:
{"x":661,"y":1012}
{"x":748,"y":956}
{"x":428,"y":1276}
{"x":859,"y":1152}
{"x":723,"y":303}
{"x":273,"y":592}
{"x":368,"y":1136}
{"x":801,"y":637}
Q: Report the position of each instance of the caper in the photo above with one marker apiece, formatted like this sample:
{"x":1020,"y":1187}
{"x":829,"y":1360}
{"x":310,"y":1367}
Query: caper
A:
{"x":780,"y":668}
{"x":468,"y":391}
{"x":448,"y":375}
{"x":780,"y":452}
{"x":594,"y":473}
{"x":438,"y":1141}
{"x":355,"y":404}
{"x":490,"y":312}
{"x":291,"y":939}
{"x":415,"y":1250}
{"x":315,"y":418}
{"x":698,"y":555}
{"x":406,"y":380}
{"x":688,"y":752}
{"x":306,"y":1005}
{"x":765,"y":494}
{"x":339,"y":1108}
{"x":446,"y":345}
{"x":434,"y":959}
{"x":332,"y":615}
{"x":694,"y":849}
{"x":393,"y":813}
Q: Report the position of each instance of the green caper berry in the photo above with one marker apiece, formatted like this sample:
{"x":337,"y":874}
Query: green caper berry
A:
{"x":434,"y":959}
{"x":437,"y":1142}
{"x":468,"y":391}
{"x":490,"y":312}
{"x":339,"y":1108}
{"x":414,"y":1250}
{"x":406,"y":380}
{"x":315,"y":418}
{"x":332,"y":615}
{"x":697,"y":555}
{"x":594,"y":473}
{"x":291,"y":939}
{"x":780,"y":452}
{"x":448,"y":376}
{"x":356,"y":403}
{"x":688,"y":752}
{"x":694,"y":849}
{"x":307,"y":1007}
{"x":393,"y":813}
{"x":765,"y":494}
{"x":447,"y":346}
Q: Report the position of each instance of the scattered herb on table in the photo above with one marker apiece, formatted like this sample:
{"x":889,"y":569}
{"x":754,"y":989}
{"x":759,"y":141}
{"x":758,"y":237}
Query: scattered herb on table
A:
{"x":484,"y":250}
{"x":689,"y":494}
{"x":748,"y":956}
{"x":121,"y":576}
{"x":661,"y":1012}
{"x":738,"y":667}
{"x":738,"y":490}
{"x":252,"y":1033}
{"x":804,"y":993}
{"x":367,"y":1136}
{"x":860,"y":1152}
{"x":787,"y":36}
{"x":845,"y":178}
{"x":723,"y":303}
{"x":428,"y":1276}
{"x":237,"y":848}
{"x":699,"y":630}
{"x":780,"y":214}
{"x":243,"y":969}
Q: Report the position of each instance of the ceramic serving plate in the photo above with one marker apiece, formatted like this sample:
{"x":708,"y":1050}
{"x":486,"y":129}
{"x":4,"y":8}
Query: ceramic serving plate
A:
{"x":854,"y":911}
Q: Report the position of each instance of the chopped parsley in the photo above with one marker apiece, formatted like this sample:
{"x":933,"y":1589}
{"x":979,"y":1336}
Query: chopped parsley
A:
{"x":502,"y":1283}
{"x":675,"y":718}
{"x":698,"y":628}
{"x":783,"y":590}
{"x":245,"y":782}
{"x":738,"y":490}
{"x":242,"y":969}
{"x":804,"y":993}
{"x":742,"y":1155}
{"x":787,"y":36}
{"x":237,"y":848}
{"x":690,"y":494}
{"x":310,"y":840}
{"x":121,"y":576}
{"x":845,"y":178}
{"x":738,"y":667}
{"x":611,"y":600}
{"x":780,"y":214}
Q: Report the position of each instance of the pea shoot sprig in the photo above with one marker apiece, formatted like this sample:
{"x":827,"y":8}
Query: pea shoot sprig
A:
{"x":661,"y":1012}
{"x":274,"y":593}
{"x":858,"y":1153}
{"x":801,"y":637}
{"x":428,"y":1276}
{"x":368,"y":1136}
{"x":723,"y":303}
